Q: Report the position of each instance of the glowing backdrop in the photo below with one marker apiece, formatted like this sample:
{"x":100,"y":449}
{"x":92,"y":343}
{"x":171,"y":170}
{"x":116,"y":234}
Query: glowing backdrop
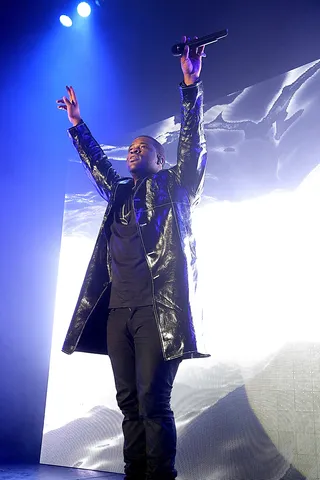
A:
{"x":251,"y":411}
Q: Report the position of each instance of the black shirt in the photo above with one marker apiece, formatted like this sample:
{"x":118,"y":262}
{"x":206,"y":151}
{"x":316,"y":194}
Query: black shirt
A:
{"x":131,"y":277}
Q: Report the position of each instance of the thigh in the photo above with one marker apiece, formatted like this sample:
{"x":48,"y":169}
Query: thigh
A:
{"x":155,"y":375}
{"x":121,"y":351}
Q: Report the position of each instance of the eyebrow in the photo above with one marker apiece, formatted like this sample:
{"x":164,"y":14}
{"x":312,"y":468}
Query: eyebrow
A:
{"x":140,"y":143}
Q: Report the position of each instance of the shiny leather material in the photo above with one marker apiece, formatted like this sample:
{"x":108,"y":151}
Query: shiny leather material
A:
{"x":163,"y":205}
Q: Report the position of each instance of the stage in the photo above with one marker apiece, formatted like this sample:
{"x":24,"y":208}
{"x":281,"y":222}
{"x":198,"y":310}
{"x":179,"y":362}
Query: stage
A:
{"x":48,"y":472}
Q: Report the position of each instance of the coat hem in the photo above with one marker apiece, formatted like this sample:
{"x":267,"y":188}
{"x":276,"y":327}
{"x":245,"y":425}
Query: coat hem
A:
{"x":189,"y":355}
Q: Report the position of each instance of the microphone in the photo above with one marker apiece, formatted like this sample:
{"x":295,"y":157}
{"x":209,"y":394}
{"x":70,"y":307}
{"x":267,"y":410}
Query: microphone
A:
{"x":178,"y":49}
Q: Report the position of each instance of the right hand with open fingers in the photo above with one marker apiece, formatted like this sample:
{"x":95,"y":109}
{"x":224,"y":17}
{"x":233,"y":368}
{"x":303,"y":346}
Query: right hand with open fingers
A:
{"x":71,"y":106}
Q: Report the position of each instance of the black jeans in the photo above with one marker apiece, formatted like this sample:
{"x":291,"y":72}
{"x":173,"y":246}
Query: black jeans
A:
{"x":143,"y":382}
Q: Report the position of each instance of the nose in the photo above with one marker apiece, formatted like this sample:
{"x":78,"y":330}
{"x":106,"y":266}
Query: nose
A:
{"x":134,"y":150}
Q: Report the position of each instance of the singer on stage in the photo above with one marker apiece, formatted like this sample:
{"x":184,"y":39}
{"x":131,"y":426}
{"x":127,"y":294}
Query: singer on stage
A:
{"x":136,"y":302}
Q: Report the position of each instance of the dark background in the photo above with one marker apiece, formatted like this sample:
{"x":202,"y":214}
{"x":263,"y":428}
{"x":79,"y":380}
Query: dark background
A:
{"x":126,"y":78}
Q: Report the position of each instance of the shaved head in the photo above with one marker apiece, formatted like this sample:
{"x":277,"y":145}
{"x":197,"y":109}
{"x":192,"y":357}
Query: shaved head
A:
{"x":158,"y":146}
{"x":146,"y":156}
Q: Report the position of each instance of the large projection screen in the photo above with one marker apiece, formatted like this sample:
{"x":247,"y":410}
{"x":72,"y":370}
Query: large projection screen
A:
{"x":252,"y":410}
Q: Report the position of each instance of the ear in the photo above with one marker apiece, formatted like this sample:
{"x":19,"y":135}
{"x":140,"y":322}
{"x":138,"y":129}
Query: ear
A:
{"x":160,"y":160}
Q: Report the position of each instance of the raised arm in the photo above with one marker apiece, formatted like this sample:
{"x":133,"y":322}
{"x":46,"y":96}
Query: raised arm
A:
{"x":192,"y":151}
{"x":95,"y":161}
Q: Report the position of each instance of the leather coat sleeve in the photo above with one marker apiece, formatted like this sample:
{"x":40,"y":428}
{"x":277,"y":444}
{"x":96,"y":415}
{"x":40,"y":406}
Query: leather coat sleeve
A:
{"x":192,"y":151}
{"x":95,"y":161}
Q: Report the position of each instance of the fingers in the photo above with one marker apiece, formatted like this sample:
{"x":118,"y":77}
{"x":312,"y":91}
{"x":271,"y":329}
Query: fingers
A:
{"x":66,"y":101}
{"x":74,"y":98}
{"x":201,"y":52}
{"x":192,"y":52}
{"x":72,"y":94}
{"x":186,"y":51}
{"x":198,"y":51}
{"x":62,"y":103}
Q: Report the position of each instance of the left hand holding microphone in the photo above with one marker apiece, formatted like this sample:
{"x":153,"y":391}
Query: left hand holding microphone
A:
{"x":191,"y":62}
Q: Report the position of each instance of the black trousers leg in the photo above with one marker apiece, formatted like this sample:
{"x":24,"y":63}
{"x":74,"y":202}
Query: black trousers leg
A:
{"x":155,"y":378}
{"x":122,"y":355}
{"x":144,"y":383}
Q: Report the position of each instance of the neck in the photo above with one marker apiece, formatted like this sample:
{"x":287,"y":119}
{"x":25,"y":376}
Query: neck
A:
{"x":136,"y":177}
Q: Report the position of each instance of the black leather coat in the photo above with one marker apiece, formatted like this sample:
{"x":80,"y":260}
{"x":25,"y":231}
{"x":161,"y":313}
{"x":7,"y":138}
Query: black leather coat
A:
{"x":163,"y":205}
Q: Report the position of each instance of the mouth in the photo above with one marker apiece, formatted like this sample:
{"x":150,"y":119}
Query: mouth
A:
{"x":133,"y":159}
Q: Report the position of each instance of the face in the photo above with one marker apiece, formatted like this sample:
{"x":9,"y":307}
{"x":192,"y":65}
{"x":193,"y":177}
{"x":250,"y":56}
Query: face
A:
{"x":142,"y":158}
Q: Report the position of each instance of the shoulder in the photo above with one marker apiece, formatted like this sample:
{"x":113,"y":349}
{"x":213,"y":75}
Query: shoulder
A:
{"x":166,"y":177}
{"x":169,"y":179}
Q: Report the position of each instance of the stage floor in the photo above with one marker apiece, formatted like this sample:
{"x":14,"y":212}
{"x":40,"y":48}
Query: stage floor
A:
{"x":46,"y":472}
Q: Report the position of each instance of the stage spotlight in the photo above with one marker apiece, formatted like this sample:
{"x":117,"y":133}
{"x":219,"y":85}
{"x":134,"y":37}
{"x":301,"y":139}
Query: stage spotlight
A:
{"x":84,"y":9}
{"x":65,"y":20}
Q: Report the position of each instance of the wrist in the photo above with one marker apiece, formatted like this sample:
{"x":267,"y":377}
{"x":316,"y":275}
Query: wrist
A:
{"x":76,"y":121}
{"x":190,"y":79}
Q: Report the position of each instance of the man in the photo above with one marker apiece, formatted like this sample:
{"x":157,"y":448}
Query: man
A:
{"x":142,"y":276}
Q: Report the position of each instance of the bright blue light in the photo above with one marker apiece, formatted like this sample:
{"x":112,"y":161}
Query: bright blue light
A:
{"x":84,"y":9}
{"x":66,"y":21}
